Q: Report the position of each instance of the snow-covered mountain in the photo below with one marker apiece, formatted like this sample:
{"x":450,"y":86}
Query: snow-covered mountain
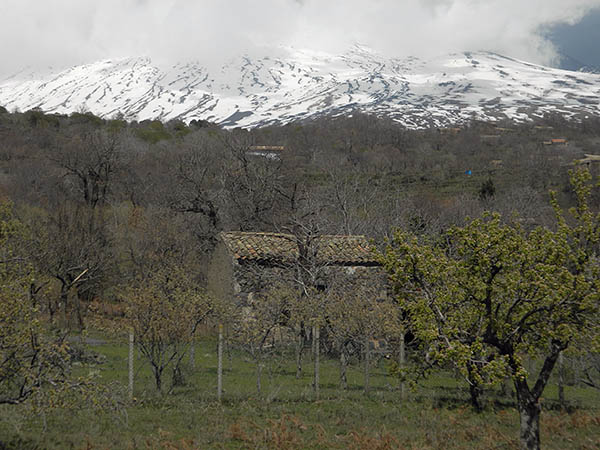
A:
{"x":301,"y":84}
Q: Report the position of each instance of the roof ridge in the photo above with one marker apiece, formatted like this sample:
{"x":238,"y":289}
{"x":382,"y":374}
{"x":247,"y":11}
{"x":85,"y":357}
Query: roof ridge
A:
{"x":257,"y":233}
{"x":262,"y":245}
{"x":276,"y":233}
{"x":344,"y":235}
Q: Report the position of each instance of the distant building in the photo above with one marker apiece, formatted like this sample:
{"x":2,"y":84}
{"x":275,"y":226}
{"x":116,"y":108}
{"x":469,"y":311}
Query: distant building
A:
{"x":266,"y":151}
{"x":490,"y":137}
{"x":556,"y":142}
{"x":451,"y":131}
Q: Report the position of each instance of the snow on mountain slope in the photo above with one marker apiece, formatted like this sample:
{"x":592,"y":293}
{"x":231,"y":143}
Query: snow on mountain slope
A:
{"x":305,"y":84}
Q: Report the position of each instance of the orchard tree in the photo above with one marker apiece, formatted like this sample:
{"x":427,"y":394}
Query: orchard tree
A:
{"x":490,"y":294}
{"x":307,"y":312}
{"x":356,"y":314}
{"x":164,"y":311}
{"x":255,"y":327}
{"x":582,"y":229}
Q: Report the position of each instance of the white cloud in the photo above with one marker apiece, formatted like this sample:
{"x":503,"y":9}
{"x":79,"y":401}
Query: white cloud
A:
{"x":60,"y":32}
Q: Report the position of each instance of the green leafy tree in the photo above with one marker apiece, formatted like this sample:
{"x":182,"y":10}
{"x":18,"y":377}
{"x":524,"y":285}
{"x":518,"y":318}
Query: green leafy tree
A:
{"x":581,"y":227}
{"x":490,"y":294}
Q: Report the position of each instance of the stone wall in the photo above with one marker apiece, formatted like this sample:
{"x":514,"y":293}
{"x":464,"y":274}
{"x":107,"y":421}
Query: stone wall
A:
{"x":250,"y":279}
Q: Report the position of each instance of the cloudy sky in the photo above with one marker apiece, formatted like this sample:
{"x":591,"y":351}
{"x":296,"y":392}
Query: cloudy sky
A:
{"x":39,"y":33}
{"x":579,"y":42}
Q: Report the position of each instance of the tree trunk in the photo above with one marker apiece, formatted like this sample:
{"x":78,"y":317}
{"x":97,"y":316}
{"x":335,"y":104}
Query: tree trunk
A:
{"x":561,"y":380}
{"x":528,"y":399}
{"x":475,"y":390}
{"x":64,"y":299}
{"x":130,"y":361}
{"x":157,"y":378}
{"x":51,"y":308}
{"x":178,"y":378}
{"x":529,"y":413}
{"x":343,"y":367}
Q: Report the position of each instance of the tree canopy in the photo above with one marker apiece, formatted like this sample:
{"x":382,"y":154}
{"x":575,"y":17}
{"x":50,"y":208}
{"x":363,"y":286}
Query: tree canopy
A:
{"x":489,"y":294}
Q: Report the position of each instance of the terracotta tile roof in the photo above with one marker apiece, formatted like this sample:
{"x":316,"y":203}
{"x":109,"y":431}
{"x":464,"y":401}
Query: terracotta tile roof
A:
{"x":280,"y":247}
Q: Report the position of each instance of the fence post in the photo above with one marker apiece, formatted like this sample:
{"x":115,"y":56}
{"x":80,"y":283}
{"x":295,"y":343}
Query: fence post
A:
{"x":343,"y":367}
{"x":192,"y":355}
{"x":220,"y":364}
{"x":316,"y":336}
{"x":367,"y":363}
{"x":402,"y":362}
{"x":299,"y":348}
{"x":130,"y":365}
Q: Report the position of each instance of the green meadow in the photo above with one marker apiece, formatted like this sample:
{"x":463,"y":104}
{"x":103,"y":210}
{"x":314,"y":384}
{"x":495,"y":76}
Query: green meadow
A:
{"x":434,"y":414}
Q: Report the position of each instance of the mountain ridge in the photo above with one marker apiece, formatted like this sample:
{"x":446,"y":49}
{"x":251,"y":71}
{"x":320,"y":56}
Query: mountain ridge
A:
{"x":302,"y":84}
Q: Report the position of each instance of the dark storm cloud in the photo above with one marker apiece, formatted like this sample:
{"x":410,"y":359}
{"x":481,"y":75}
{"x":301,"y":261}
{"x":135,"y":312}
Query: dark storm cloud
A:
{"x":580,"y":42}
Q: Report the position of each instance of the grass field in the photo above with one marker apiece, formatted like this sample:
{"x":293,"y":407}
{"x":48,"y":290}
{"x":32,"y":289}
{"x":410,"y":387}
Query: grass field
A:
{"x":286,"y":414}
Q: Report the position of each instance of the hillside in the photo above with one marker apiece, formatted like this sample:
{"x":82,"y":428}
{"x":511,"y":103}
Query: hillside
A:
{"x":292,"y":85}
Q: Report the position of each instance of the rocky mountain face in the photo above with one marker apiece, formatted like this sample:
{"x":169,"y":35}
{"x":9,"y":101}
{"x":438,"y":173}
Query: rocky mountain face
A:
{"x":292,"y":85}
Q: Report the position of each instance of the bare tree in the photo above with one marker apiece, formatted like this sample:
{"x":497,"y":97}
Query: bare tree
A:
{"x":254,"y":328}
{"x":72,"y":245}
{"x":92,"y":161}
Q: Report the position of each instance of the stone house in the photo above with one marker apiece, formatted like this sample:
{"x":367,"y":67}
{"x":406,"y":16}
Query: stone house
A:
{"x":246,"y":264}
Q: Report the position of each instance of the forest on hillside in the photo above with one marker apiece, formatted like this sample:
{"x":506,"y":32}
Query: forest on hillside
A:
{"x":114,"y":196}
{"x":102,"y":218}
